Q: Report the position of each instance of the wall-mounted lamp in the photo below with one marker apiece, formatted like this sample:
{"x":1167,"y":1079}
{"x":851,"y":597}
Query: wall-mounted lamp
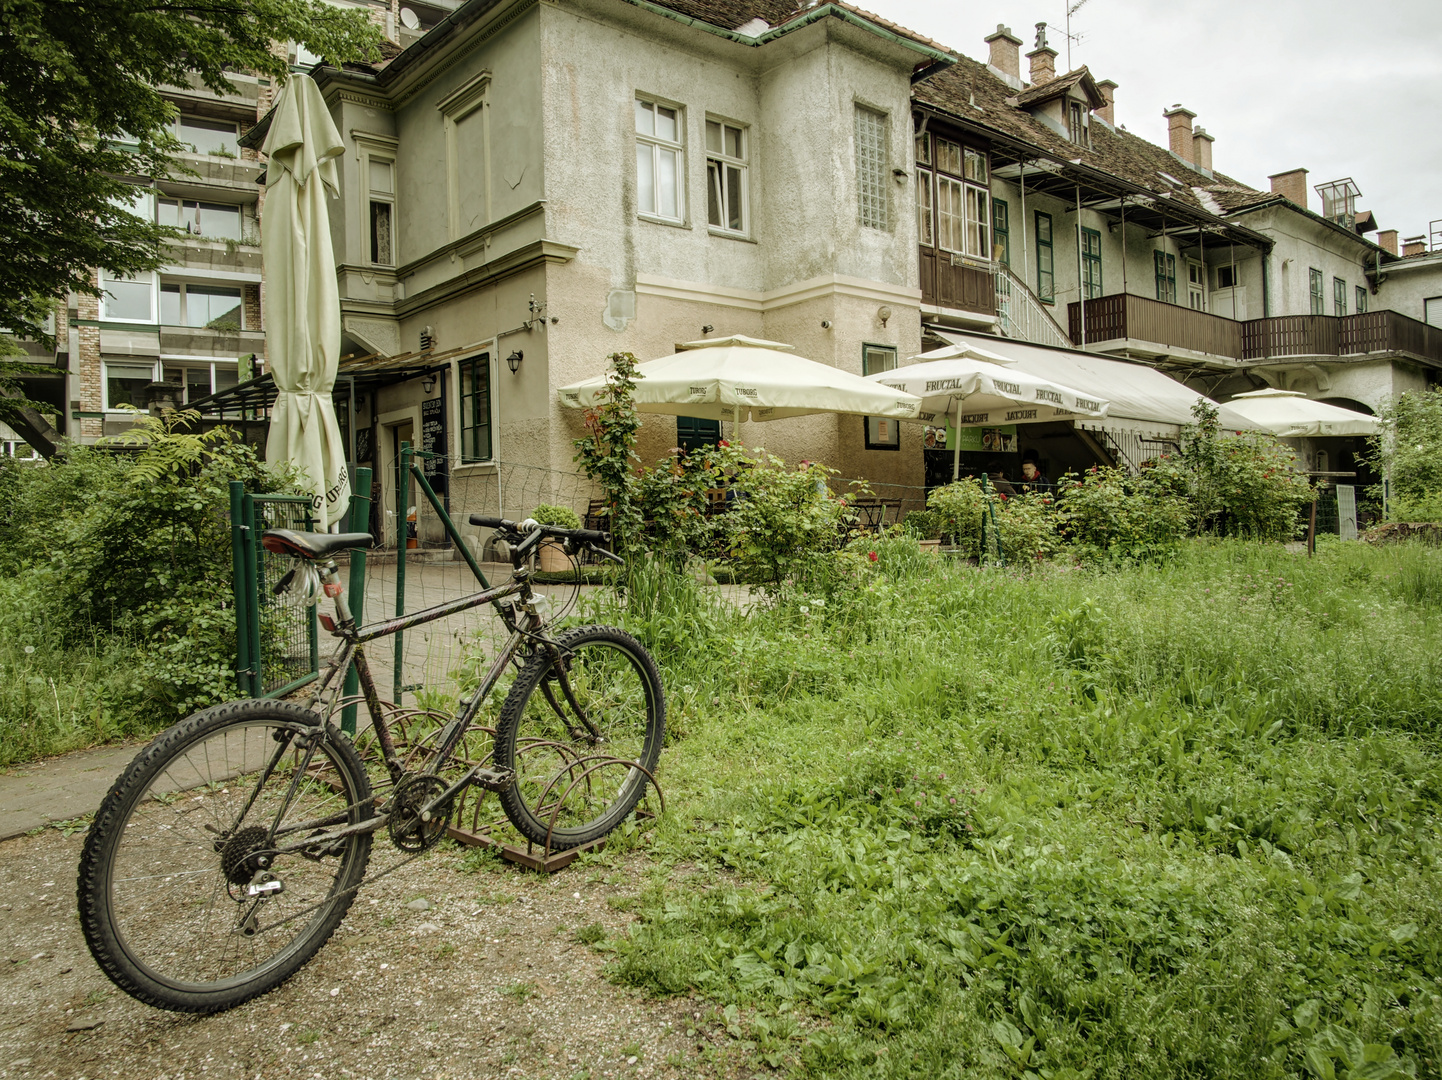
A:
{"x":514,"y":360}
{"x":428,"y":383}
{"x":883,"y":315}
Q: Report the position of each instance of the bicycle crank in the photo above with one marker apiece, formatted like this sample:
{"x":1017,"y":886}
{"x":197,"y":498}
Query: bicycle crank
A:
{"x":411,"y":825}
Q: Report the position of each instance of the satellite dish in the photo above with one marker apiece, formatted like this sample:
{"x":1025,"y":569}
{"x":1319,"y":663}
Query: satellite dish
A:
{"x":409,"y":19}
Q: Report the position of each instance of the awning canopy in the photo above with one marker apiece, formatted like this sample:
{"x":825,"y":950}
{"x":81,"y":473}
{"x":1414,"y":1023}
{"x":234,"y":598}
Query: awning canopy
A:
{"x":1292,"y":415}
{"x":1134,"y":391}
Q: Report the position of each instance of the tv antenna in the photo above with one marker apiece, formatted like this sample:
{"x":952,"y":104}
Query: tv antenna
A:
{"x":1072,"y":7}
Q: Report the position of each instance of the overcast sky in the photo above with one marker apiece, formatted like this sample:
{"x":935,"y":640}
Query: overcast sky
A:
{"x":1338,"y":88}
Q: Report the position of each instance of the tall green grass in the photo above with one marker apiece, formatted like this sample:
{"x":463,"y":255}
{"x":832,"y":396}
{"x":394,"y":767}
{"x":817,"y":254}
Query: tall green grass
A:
{"x":1174,"y":820}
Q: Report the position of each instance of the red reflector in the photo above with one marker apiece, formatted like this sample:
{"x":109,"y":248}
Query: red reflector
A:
{"x":328,"y":623}
{"x":332,"y":589}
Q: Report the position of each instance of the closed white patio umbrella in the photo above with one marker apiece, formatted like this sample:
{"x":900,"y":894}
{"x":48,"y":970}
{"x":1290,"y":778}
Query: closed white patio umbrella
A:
{"x":976,"y":388}
{"x":302,"y":301}
{"x":1290,"y":414}
{"x":728,"y":378}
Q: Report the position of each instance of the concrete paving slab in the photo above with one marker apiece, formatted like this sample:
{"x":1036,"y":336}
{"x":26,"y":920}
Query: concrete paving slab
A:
{"x":60,"y":788}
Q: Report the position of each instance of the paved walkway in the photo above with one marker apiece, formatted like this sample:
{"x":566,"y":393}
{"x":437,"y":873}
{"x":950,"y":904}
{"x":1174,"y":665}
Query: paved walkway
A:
{"x":60,"y":788}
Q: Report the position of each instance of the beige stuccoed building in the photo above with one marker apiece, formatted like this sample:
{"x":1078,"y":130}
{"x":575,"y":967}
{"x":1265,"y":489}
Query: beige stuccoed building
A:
{"x":534,"y":186}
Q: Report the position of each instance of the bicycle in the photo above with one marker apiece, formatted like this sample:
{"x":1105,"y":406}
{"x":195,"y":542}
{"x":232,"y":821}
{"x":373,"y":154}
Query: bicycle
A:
{"x":230,"y":849}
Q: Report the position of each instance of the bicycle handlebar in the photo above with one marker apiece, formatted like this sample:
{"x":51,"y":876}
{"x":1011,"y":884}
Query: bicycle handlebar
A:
{"x":585,"y":536}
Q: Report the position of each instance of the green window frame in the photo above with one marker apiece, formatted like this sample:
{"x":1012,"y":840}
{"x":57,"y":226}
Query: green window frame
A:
{"x":693,"y":432}
{"x":1339,"y":296}
{"x":1361,"y":300}
{"x":476,"y":443}
{"x":881,"y":433}
{"x":1164,"y":263}
{"x":1045,"y":266}
{"x":1091,"y":263}
{"x":1315,"y":287}
{"x":1000,"y":232}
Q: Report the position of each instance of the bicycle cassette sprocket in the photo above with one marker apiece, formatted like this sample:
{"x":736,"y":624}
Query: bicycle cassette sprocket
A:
{"x":408,"y":830}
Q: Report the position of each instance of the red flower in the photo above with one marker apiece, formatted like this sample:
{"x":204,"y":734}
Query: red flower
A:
{"x":871,"y":555}
{"x":724,"y":443}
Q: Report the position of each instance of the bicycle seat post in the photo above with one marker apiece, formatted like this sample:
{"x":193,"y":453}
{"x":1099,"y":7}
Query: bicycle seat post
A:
{"x":330,"y":583}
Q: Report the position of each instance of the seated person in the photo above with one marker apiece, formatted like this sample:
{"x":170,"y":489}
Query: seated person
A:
{"x":998,"y":479}
{"x":1032,"y":478}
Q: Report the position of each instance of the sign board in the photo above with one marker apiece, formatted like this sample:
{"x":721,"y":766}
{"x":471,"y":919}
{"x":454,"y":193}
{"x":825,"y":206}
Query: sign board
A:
{"x":363,"y":444}
{"x":433,"y":441}
{"x":883,"y":433}
{"x":987,"y":440}
{"x":1347,"y":511}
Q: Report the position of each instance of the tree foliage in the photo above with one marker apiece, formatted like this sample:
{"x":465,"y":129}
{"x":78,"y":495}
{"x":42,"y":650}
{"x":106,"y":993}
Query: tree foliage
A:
{"x":81,"y":116}
{"x":1408,"y":451}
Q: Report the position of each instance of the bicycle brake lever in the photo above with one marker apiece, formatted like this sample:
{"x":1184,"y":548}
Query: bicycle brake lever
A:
{"x":591,"y":547}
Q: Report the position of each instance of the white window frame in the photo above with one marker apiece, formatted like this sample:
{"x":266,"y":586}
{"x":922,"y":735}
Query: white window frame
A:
{"x":188,"y":363}
{"x":105,"y":378}
{"x":656,"y":148}
{"x":720,"y":162}
{"x":154,"y":279}
{"x":963,"y":201}
{"x":374,"y":198}
{"x":1079,"y":132}
{"x":186,"y":285}
{"x":871,"y":130}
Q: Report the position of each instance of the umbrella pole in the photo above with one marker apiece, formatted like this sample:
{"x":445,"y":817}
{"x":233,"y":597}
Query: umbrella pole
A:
{"x":956,"y":450}
{"x":736,"y":422}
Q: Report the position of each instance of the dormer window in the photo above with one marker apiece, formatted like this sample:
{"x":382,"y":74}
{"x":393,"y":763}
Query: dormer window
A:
{"x":1079,"y":123}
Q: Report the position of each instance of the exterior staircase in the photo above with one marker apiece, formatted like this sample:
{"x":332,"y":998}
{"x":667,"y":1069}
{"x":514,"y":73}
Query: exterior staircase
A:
{"x":1021,"y":315}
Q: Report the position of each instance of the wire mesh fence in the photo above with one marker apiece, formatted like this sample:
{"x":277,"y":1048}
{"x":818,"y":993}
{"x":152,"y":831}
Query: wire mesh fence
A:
{"x":278,"y":643}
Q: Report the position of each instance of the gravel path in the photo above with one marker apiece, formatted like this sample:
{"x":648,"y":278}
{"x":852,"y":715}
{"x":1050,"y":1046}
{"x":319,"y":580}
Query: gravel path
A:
{"x":488,"y":981}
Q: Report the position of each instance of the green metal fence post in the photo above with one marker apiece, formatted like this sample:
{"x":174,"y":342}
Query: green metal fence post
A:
{"x":450,"y":526}
{"x":360,"y":514}
{"x":238,"y":533}
{"x":252,"y":588}
{"x":402,"y":539}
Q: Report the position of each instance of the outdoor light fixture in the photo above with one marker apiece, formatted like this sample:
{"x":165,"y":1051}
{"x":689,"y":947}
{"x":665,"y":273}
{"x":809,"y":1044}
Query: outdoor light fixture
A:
{"x":429,"y":382}
{"x":514,"y":360}
{"x":707,"y":328}
{"x":883,"y":315}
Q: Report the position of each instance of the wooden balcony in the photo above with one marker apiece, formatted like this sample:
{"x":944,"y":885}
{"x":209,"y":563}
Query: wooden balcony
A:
{"x":1150,"y":322}
{"x":1146,"y":323}
{"x":960,"y":286}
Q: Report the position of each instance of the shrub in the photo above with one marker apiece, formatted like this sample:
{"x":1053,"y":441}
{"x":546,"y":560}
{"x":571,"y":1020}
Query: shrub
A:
{"x":1027,"y":525}
{"x":782,"y":518}
{"x":960,"y":506}
{"x":673,"y":502}
{"x":1408,"y":451}
{"x":1109,"y":512}
{"x":563,"y":517}
{"x":1244,"y":484}
{"x":924,"y":524}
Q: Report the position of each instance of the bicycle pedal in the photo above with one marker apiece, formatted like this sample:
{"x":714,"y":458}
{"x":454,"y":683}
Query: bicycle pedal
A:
{"x":494,"y":780}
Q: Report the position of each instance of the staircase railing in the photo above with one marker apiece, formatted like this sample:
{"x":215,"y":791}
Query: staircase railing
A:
{"x":1021,"y":314}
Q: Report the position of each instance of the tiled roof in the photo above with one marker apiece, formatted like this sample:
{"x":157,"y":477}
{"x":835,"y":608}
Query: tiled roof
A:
{"x":1114,"y":150}
{"x":734,"y":14}
{"x":1081,"y":77}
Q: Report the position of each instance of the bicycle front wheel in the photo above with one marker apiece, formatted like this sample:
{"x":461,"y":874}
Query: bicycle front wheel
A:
{"x":195,"y":891}
{"x":579,"y":775}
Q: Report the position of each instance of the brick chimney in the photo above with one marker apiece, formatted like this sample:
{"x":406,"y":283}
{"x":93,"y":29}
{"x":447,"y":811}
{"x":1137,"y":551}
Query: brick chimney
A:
{"x":1179,"y":131}
{"x":1387,"y":241}
{"x":1109,"y":92}
{"x":1414,"y":245}
{"x":1005,"y":51}
{"x":1202,"y":149}
{"x":1043,"y":58}
{"x":1292,"y":184}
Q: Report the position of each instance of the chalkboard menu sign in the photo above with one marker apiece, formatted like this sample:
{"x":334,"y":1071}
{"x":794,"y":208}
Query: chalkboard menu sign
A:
{"x":363,"y":444}
{"x":433,"y":441}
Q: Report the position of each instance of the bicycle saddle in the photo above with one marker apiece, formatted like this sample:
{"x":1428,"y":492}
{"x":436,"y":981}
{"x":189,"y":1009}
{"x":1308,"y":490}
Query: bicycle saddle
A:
{"x":308,"y":545}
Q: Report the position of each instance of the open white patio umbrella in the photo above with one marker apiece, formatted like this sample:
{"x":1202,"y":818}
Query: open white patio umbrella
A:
{"x":1292,"y":415}
{"x":302,"y":301}
{"x":726,"y":378}
{"x":978,"y":388}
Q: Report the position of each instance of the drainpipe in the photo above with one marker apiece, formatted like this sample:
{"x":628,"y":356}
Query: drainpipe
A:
{"x":1025,"y":264}
{"x":1081,"y":284}
{"x":1124,"y":245}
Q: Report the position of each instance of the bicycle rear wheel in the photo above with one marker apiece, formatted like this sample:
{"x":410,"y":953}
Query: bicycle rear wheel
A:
{"x":166,"y":876}
{"x":577,"y":778}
